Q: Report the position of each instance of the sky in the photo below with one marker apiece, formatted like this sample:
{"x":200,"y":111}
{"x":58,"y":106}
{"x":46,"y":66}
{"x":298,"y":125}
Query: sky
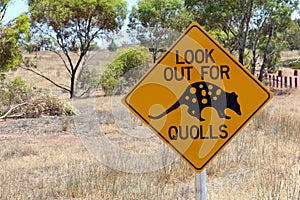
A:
{"x":17,"y":7}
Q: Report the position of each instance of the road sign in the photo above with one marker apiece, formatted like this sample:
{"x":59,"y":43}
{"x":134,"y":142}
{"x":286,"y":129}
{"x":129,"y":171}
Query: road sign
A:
{"x":197,"y":97}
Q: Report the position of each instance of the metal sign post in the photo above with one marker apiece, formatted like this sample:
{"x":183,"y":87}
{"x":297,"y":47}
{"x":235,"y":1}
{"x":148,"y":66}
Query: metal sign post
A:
{"x":200,"y":185}
{"x":195,"y":73}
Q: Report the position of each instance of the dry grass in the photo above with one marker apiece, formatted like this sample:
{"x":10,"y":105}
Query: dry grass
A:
{"x":60,"y":167}
{"x":46,"y":159}
{"x":287,"y":55}
{"x":261,"y":163}
{"x":264,"y":161}
{"x":49,"y":64}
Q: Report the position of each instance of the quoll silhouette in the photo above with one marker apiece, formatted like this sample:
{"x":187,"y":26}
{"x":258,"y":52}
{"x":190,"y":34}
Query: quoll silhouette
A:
{"x":200,"y":95}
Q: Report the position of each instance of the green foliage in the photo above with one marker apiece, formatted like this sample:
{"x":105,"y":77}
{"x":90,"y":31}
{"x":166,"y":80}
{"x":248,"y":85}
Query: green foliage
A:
{"x":94,"y":47}
{"x":223,"y":37}
{"x":292,"y":63}
{"x":296,"y":65}
{"x":293,"y":35}
{"x":76,"y":23}
{"x":13,"y":92}
{"x":12,"y":36}
{"x":157,"y":23}
{"x":167,"y":13}
{"x":136,"y":58}
{"x":226,"y":16}
{"x":73,"y":25}
{"x":36,"y":102}
{"x":247,"y":59}
{"x":249,"y":22}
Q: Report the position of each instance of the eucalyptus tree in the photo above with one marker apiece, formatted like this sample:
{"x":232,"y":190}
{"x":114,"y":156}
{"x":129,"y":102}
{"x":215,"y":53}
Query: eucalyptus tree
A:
{"x":270,"y":24}
{"x":72,"y":25}
{"x":157,"y":23}
{"x":259,"y":25}
{"x":230,"y":18}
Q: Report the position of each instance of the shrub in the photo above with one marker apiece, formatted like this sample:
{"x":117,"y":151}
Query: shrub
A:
{"x":35,"y":102}
{"x":14,"y":92}
{"x":125,"y":60}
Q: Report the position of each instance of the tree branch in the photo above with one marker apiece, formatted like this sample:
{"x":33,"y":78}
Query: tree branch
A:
{"x":63,"y":60}
{"x":3,"y":10}
{"x":48,"y":79}
{"x":12,"y":109}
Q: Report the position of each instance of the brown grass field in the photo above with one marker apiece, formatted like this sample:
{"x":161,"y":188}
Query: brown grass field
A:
{"x":45,"y":158}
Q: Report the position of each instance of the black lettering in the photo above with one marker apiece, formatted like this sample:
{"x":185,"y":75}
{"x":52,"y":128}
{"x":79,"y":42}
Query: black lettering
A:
{"x":168,"y":73}
{"x":224,"y":133}
{"x":209,"y":56}
{"x":214,"y":72}
{"x":186,"y":133}
{"x":176,"y":73}
{"x":201,"y":56}
{"x":211,"y":133}
{"x":189,"y":51}
{"x":177,"y":58}
{"x":204,"y":72}
{"x":197,"y":132}
{"x":173,"y":135}
{"x":201,"y":133}
{"x":188,"y":72}
{"x":224,"y":71}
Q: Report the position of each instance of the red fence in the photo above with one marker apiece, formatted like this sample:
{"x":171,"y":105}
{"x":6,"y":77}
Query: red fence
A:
{"x":280,"y":81}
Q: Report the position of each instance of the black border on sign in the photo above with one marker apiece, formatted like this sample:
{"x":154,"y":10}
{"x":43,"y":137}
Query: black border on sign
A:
{"x":227,"y":54}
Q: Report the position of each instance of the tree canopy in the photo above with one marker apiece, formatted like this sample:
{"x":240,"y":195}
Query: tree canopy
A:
{"x":157,"y":23}
{"x":72,"y":25}
{"x":11,"y":35}
{"x":258,"y":25}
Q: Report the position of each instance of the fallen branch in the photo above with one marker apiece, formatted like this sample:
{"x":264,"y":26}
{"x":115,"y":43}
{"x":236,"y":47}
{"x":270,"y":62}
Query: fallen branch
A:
{"x":6,"y":115}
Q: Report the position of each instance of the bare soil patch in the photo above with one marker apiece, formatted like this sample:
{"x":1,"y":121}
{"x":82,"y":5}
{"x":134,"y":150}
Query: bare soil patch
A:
{"x":41,"y":159}
{"x":45,"y":158}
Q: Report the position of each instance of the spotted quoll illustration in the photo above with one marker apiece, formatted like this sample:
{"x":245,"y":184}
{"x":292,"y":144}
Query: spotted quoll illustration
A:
{"x":200,"y":95}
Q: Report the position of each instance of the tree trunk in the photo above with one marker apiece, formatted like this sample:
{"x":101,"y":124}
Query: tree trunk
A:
{"x":154,"y":58}
{"x":240,"y":43}
{"x":266,"y":54}
{"x":253,"y":68}
{"x":254,"y":58}
{"x":72,"y":85}
{"x":243,"y":43}
{"x":74,"y":71}
{"x":154,"y":53}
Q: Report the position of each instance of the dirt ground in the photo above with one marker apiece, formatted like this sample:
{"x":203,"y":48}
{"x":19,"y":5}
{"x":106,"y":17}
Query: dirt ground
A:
{"x":46,"y":158}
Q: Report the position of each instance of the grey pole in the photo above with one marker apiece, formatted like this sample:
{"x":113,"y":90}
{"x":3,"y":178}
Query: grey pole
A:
{"x":200,"y":185}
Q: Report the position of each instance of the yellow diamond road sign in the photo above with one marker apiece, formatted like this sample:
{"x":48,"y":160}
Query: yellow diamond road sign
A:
{"x":197,"y":97}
